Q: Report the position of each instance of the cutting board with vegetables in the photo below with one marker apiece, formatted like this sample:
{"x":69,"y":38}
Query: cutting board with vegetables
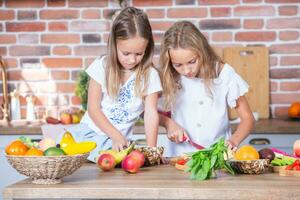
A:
{"x":284,"y":172}
{"x":252,"y":64}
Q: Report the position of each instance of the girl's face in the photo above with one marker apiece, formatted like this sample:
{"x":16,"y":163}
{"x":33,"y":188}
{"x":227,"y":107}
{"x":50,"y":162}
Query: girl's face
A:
{"x":185,"y":62}
{"x":131,"y":51}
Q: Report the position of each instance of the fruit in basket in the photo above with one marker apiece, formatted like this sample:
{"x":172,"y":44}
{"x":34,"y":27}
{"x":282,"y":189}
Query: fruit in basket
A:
{"x":130,"y":164}
{"x":67,"y":139}
{"x":75,"y":118}
{"x":16,"y":148}
{"x":297,"y":148}
{"x":246,"y":152}
{"x":52,"y":120}
{"x":294,"y":110}
{"x":46,"y":143}
{"x":34,"y":152}
{"x":66,"y":118}
{"x":266,"y":154}
{"x":139,"y":156}
{"x":54,"y":151}
{"x":80,"y":148}
{"x":106,"y":162}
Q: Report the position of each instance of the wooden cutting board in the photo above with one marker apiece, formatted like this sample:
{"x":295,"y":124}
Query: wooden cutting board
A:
{"x":283,"y":172}
{"x":252,"y":64}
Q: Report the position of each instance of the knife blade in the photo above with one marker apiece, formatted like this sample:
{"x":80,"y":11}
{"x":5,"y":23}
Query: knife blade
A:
{"x":186,"y":138}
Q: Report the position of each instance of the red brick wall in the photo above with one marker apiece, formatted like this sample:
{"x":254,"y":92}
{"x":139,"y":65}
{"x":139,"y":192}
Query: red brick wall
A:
{"x":46,"y":43}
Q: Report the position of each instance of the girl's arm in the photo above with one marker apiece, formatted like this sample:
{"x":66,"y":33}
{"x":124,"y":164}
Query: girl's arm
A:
{"x":98,"y":117}
{"x":246,"y":124}
{"x":151,"y":119}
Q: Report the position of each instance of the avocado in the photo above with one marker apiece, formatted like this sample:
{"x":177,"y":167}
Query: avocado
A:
{"x":54,"y":151}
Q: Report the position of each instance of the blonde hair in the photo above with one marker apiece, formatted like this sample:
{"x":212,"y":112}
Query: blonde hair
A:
{"x":185,"y":35}
{"x":129,"y":23}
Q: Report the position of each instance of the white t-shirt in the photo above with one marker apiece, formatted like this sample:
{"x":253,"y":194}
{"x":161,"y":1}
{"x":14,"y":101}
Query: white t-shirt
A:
{"x":205,"y":118}
{"x":124,"y":111}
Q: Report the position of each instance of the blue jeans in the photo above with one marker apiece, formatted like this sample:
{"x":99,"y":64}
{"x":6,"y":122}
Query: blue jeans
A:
{"x":81,"y":132}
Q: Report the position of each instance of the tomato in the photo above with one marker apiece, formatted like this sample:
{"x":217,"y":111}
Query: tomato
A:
{"x":181,"y":162}
{"x":16,"y":148}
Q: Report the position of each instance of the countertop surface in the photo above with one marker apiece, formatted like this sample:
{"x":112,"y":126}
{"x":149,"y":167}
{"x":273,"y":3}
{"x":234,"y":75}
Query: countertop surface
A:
{"x":159,"y":182}
{"x":266,"y":126}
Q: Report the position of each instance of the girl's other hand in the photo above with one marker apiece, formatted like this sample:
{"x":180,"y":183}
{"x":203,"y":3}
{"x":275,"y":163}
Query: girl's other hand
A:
{"x":119,"y":143}
{"x":231,"y":145}
{"x":175,"y":133}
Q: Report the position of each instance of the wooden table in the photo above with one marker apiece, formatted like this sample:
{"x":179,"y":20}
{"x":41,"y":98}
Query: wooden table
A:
{"x":160,"y":182}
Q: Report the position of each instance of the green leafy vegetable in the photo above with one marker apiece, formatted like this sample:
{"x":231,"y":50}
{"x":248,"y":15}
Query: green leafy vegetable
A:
{"x":205,"y":162}
{"x":81,"y":89}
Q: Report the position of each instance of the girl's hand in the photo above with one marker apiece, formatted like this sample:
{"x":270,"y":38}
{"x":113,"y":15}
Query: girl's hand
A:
{"x":231,"y":145}
{"x":119,"y":142}
{"x":175,"y":132}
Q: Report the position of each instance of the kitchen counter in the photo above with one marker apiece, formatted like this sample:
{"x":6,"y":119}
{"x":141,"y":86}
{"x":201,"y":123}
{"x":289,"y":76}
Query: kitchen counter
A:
{"x":159,"y":182}
{"x":266,"y":126}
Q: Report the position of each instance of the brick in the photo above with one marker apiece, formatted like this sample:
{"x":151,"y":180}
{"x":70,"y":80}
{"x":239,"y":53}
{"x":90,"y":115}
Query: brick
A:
{"x":28,"y":38}
{"x":185,"y":2}
{"x":288,"y":35}
{"x":158,"y":37}
{"x":220,"y":24}
{"x":285,"y":73}
{"x":161,"y":25}
{"x":75,"y":74}
{"x":222,"y":36}
{"x":7,"y":15}
{"x":280,"y":112}
{"x":56,"y":3}
{"x":108,"y":13}
{"x":7,"y":39}
{"x":11,"y":88}
{"x":27,"y":15}
{"x":58,"y":26}
{"x":25,"y":4}
{"x":288,"y":10}
{"x":75,"y":100}
{"x":29,"y":75}
{"x":61,"y":50}
{"x":66,"y":87}
{"x":155,"y":13}
{"x":90,"y":50}
{"x":139,"y":3}
{"x":10,"y":62}
{"x":62,"y":62}
{"x":220,"y":12}
{"x":282,"y":1}
{"x":106,"y":35}
{"x":91,"y":14}
{"x":218,"y":2}
{"x":60,"y":75}
{"x":290,"y":86}
{"x":254,"y":11}
{"x":284,"y":98}
{"x":252,"y":1}
{"x":290,"y":60}
{"x":59,"y":14}
{"x":25,"y":26}
{"x":187,"y":12}
{"x":253,"y":23}
{"x":61,"y":38}
{"x":88,"y":3}
{"x":91,"y":38}
{"x":283,"y":23}
{"x":87,"y":62}
{"x":89,"y":26}
{"x":29,"y":50}
{"x":273,"y":86}
{"x":285,"y":48}
{"x":3,"y":51}
{"x":30,"y":63}
{"x":255,"y":36}
{"x":272,"y":60}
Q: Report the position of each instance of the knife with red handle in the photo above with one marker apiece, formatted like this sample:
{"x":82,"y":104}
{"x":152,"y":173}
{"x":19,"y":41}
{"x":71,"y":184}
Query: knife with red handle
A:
{"x":186,"y":138}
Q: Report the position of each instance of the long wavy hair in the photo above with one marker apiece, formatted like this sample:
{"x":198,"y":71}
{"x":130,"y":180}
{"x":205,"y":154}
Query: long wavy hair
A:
{"x":127,"y":24}
{"x":185,"y":35}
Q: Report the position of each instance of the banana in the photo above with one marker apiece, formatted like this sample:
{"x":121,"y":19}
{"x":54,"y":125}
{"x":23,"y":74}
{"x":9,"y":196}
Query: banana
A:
{"x":118,"y":155}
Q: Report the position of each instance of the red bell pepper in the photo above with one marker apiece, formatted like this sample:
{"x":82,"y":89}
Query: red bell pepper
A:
{"x":181,"y":162}
{"x":295,"y":165}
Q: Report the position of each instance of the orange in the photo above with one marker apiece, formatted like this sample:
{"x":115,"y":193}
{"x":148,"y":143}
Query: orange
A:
{"x":16,"y":148}
{"x":246,"y":152}
{"x":34,"y":152}
{"x":294,"y":110}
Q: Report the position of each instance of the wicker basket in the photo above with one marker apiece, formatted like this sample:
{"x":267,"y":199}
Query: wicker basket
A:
{"x":250,"y":166}
{"x":47,"y":169}
{"x":152,"y":155}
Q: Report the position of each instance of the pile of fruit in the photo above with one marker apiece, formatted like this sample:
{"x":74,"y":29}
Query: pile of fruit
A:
{"x":71,"y":116}
{"x":24,"y":146}
{"x":294,"y":110}
{"x":130,"y":160}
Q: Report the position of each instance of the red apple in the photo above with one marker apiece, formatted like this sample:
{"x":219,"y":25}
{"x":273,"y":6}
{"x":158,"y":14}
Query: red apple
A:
{"x":106,"y":162}
{"x":130,"y":164}
{"x":66,"y":118}
{"x":297,"y":148}
{"x":139,"y":156}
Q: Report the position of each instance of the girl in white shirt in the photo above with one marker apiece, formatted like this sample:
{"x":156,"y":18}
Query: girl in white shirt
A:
{"x":122,"y":85}
{"x":198,"y":88}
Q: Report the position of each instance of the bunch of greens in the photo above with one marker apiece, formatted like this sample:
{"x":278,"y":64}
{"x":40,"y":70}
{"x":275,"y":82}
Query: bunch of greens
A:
{"x":81,"y":89}
{"x":203,"y":163}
